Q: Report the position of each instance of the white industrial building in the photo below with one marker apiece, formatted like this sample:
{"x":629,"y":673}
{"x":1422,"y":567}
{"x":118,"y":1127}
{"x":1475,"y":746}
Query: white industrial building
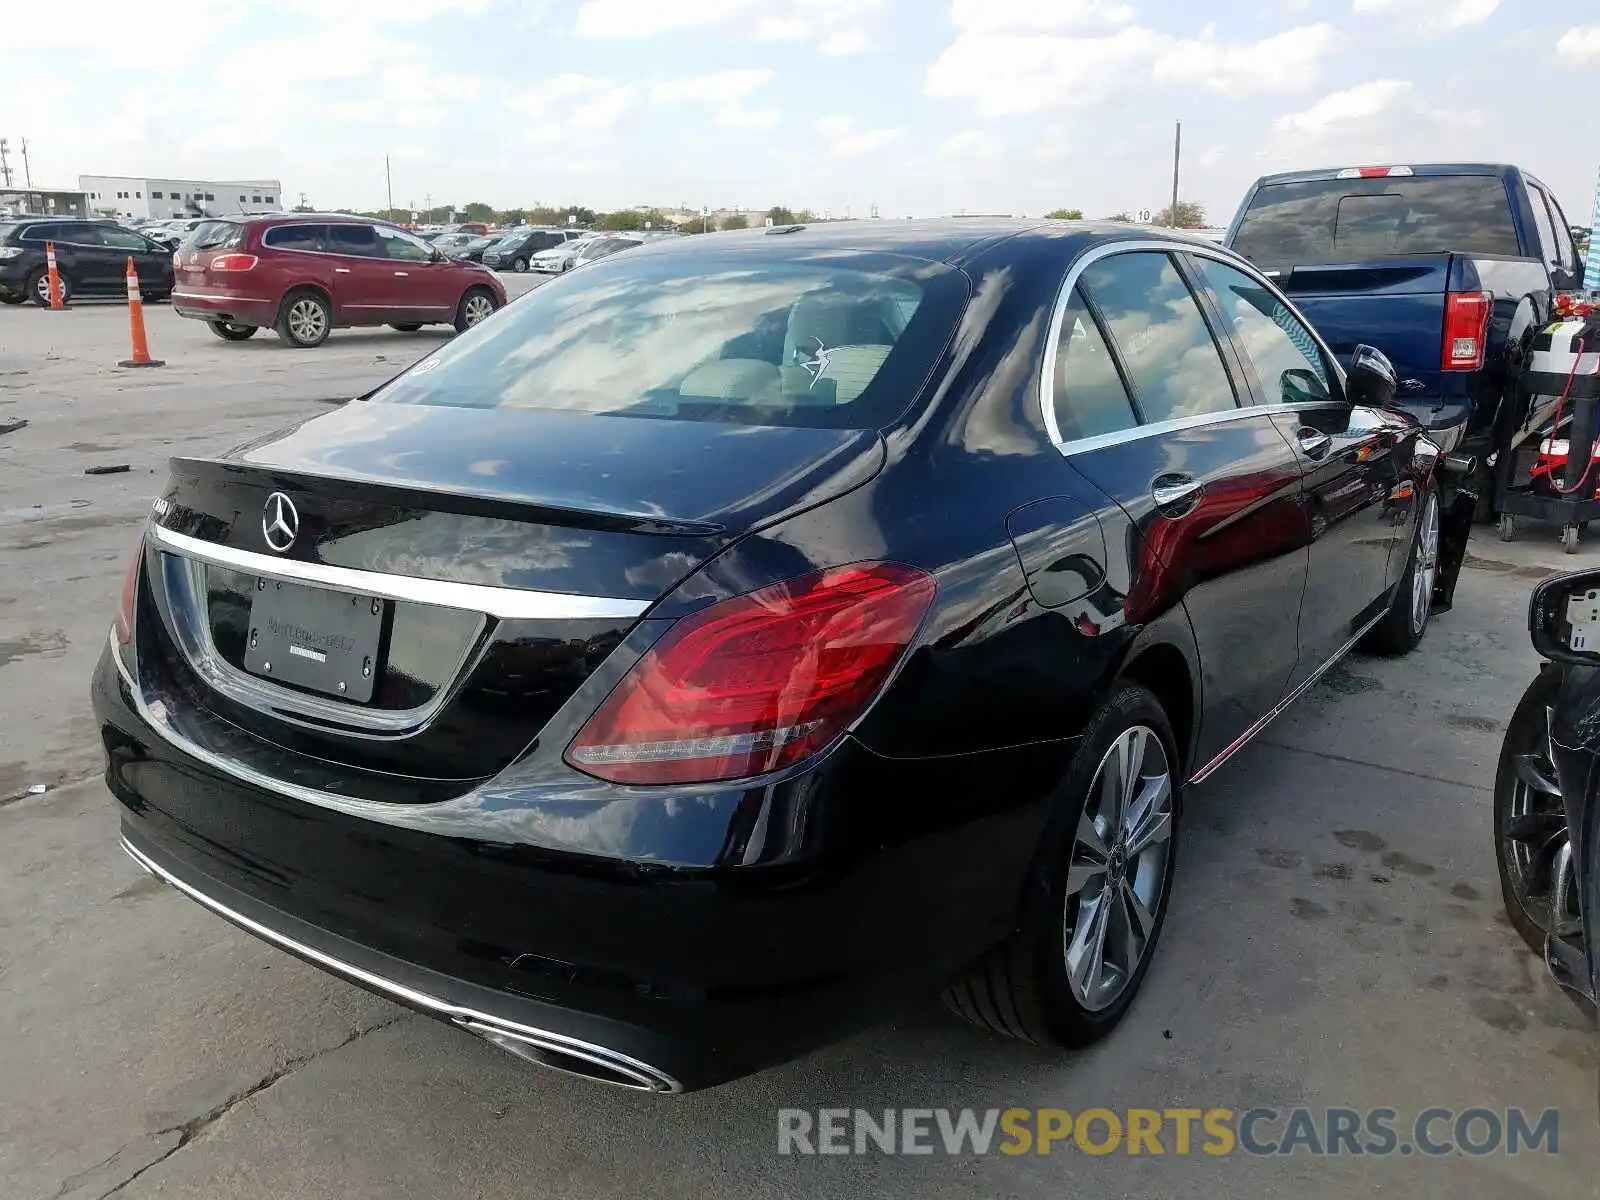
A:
{"x":126,"y":196}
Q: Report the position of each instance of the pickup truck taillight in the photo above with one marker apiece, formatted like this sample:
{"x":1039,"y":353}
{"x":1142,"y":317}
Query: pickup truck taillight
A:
{"x":1466,"y":321}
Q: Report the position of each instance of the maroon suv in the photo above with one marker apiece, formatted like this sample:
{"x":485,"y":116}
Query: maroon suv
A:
{"x":303,"y":274}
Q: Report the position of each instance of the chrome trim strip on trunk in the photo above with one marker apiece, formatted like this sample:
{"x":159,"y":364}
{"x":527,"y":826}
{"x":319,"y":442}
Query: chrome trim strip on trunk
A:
{"x":1305,"y":685}
{"x":510,"y":604}
{"x":645,"y":1077}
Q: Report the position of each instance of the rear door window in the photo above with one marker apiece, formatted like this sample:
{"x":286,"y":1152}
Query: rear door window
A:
{"x":358,"y":241}
{"x":1344,"y":220}
{"x":295,"y":237}
{"x":1090,"y":396}
{"x":1153,"y":320}
{"x":846,"y":341}
{"x":1287,"y":361}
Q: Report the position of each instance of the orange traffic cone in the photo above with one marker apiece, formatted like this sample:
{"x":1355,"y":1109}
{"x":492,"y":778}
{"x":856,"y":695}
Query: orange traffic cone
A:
{"x":141,"y":348}
{"x":58,"y":299}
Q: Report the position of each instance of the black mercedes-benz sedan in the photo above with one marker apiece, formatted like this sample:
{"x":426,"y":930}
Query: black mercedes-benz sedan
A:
{"x":726,"y":642}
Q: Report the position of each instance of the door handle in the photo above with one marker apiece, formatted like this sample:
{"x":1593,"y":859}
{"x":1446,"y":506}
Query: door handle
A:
{"x":1314,"y":444}
{"x":341,"y":270}
{"x":1175,"y":494}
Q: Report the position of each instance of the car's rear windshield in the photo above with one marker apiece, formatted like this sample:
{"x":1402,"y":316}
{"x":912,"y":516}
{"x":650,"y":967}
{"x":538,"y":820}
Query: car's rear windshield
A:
{"x":1348,"y":220}
{"x":834,"y":341}
{"x":215,"y":235}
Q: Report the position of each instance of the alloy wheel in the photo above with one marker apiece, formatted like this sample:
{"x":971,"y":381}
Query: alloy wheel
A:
{"x":1427,"y":568}
{"x":307,"y":320}
{"x":1538,"y":849}
{"x":477,"y":308}
{"x":1117,"y":879}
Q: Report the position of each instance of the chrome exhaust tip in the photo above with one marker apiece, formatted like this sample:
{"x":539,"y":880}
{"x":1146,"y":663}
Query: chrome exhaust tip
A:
{"x":584,"y":1060}
{"x":1461,"y":464}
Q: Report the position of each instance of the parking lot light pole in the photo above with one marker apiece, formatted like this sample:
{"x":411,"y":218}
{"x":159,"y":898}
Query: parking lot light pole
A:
{"x":1177,"y":151}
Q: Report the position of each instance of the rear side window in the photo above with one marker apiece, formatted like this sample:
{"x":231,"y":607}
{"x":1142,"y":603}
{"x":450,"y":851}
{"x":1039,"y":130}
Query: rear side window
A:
{"x":1090,"y":397}
{"x":358,"y":240}
{"x":1153,"y":319}
{"x":1345,"y":220}
{"x":845,"y":341}
{"x":294,"y":237}
{"x":1286,"y":357}
{"x":41,"y":233}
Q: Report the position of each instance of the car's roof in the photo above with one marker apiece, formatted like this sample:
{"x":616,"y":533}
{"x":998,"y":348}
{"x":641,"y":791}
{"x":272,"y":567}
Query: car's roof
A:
{"x":951,"y":240}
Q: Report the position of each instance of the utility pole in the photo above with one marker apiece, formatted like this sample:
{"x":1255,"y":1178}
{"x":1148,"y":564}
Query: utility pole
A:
{"x":427,"y":198}
{"x":27,"y":171}
{"x":1177,"y":152}
{"x":388,"y":182}
{"x":5,"y":167}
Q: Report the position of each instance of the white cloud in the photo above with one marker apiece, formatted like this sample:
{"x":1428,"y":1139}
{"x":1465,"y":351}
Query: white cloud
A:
{"x":1580,"y":46}
{"x":1009,"y":71}
{"x":835,"y":27}
{"x":1350,"y":106}
{"x":643,"y":18}
{"x":737,"y":116}
{"x":994,"y":16}
{"x":1278,"y":63}
{"x":845,"y":42}
{"x":1431,"y":16}
{"x":973,"y":145}
{"x":720,"y":85}
{"x":845,"y":138}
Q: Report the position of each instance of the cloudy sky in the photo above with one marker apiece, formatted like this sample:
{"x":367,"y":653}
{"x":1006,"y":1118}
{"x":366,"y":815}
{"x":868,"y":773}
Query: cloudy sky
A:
{"x":915,"y":106}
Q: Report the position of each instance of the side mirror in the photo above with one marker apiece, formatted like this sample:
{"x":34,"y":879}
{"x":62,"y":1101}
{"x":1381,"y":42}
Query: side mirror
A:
{"x":1370,"y":381}
{"x":1564,"y":618}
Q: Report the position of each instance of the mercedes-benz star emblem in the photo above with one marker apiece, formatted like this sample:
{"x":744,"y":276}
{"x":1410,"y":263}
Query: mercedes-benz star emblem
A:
{"x":280,"y":523}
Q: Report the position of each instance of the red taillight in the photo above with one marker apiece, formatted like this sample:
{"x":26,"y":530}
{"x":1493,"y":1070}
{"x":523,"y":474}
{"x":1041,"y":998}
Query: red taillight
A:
{"x":123,"y":625}
{"x":1466,"y":320}
{"x":757,"y":682}
{"x":233,"y":262}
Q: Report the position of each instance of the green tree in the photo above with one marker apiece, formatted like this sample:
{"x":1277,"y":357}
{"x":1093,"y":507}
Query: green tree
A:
{"x":781,"y":215}
{"x":1189,"y":215}
{"x":513,"y":216}
{"x":736,"y":221}
{"x":479,"y":211}
{"x":1065,"y":214}
{"x":805,"y":216}
{"x":1120,"y":216}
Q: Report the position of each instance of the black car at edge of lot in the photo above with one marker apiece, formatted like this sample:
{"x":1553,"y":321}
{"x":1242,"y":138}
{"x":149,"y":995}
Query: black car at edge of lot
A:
{"x":91,"y":260}
{"x":730,"y":640}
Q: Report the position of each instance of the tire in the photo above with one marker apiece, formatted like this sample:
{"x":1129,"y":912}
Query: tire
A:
{"x":471,"y":308}
{"x":1404,"y":625}
{"x":407,"y":327}
{"x":304,"y":318}
{"x":12,"y":299}
{"x":1030,"y":987}
{"x":228,"y":331}
{"x":519,"y":265}
{"x":39,"y":287}
{"x":1530,"y":823}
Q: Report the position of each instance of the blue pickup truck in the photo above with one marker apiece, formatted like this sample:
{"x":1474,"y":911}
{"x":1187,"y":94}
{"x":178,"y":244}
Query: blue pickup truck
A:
{"x":1448,"y":268}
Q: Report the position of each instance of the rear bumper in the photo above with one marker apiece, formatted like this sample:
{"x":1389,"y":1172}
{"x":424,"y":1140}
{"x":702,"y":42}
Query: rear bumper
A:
{"x":203,"y":304}
{"x":669,"y":978}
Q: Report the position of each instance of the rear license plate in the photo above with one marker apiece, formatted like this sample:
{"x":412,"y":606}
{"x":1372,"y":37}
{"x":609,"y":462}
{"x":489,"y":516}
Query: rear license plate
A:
{"x":325,"y":641}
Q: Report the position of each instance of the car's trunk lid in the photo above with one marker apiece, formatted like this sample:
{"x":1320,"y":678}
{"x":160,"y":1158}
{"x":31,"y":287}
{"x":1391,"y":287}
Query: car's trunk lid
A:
{"x":503,"y":555}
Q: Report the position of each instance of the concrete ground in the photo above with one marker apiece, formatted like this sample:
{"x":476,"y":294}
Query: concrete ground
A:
{"x":1336,"y":937}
